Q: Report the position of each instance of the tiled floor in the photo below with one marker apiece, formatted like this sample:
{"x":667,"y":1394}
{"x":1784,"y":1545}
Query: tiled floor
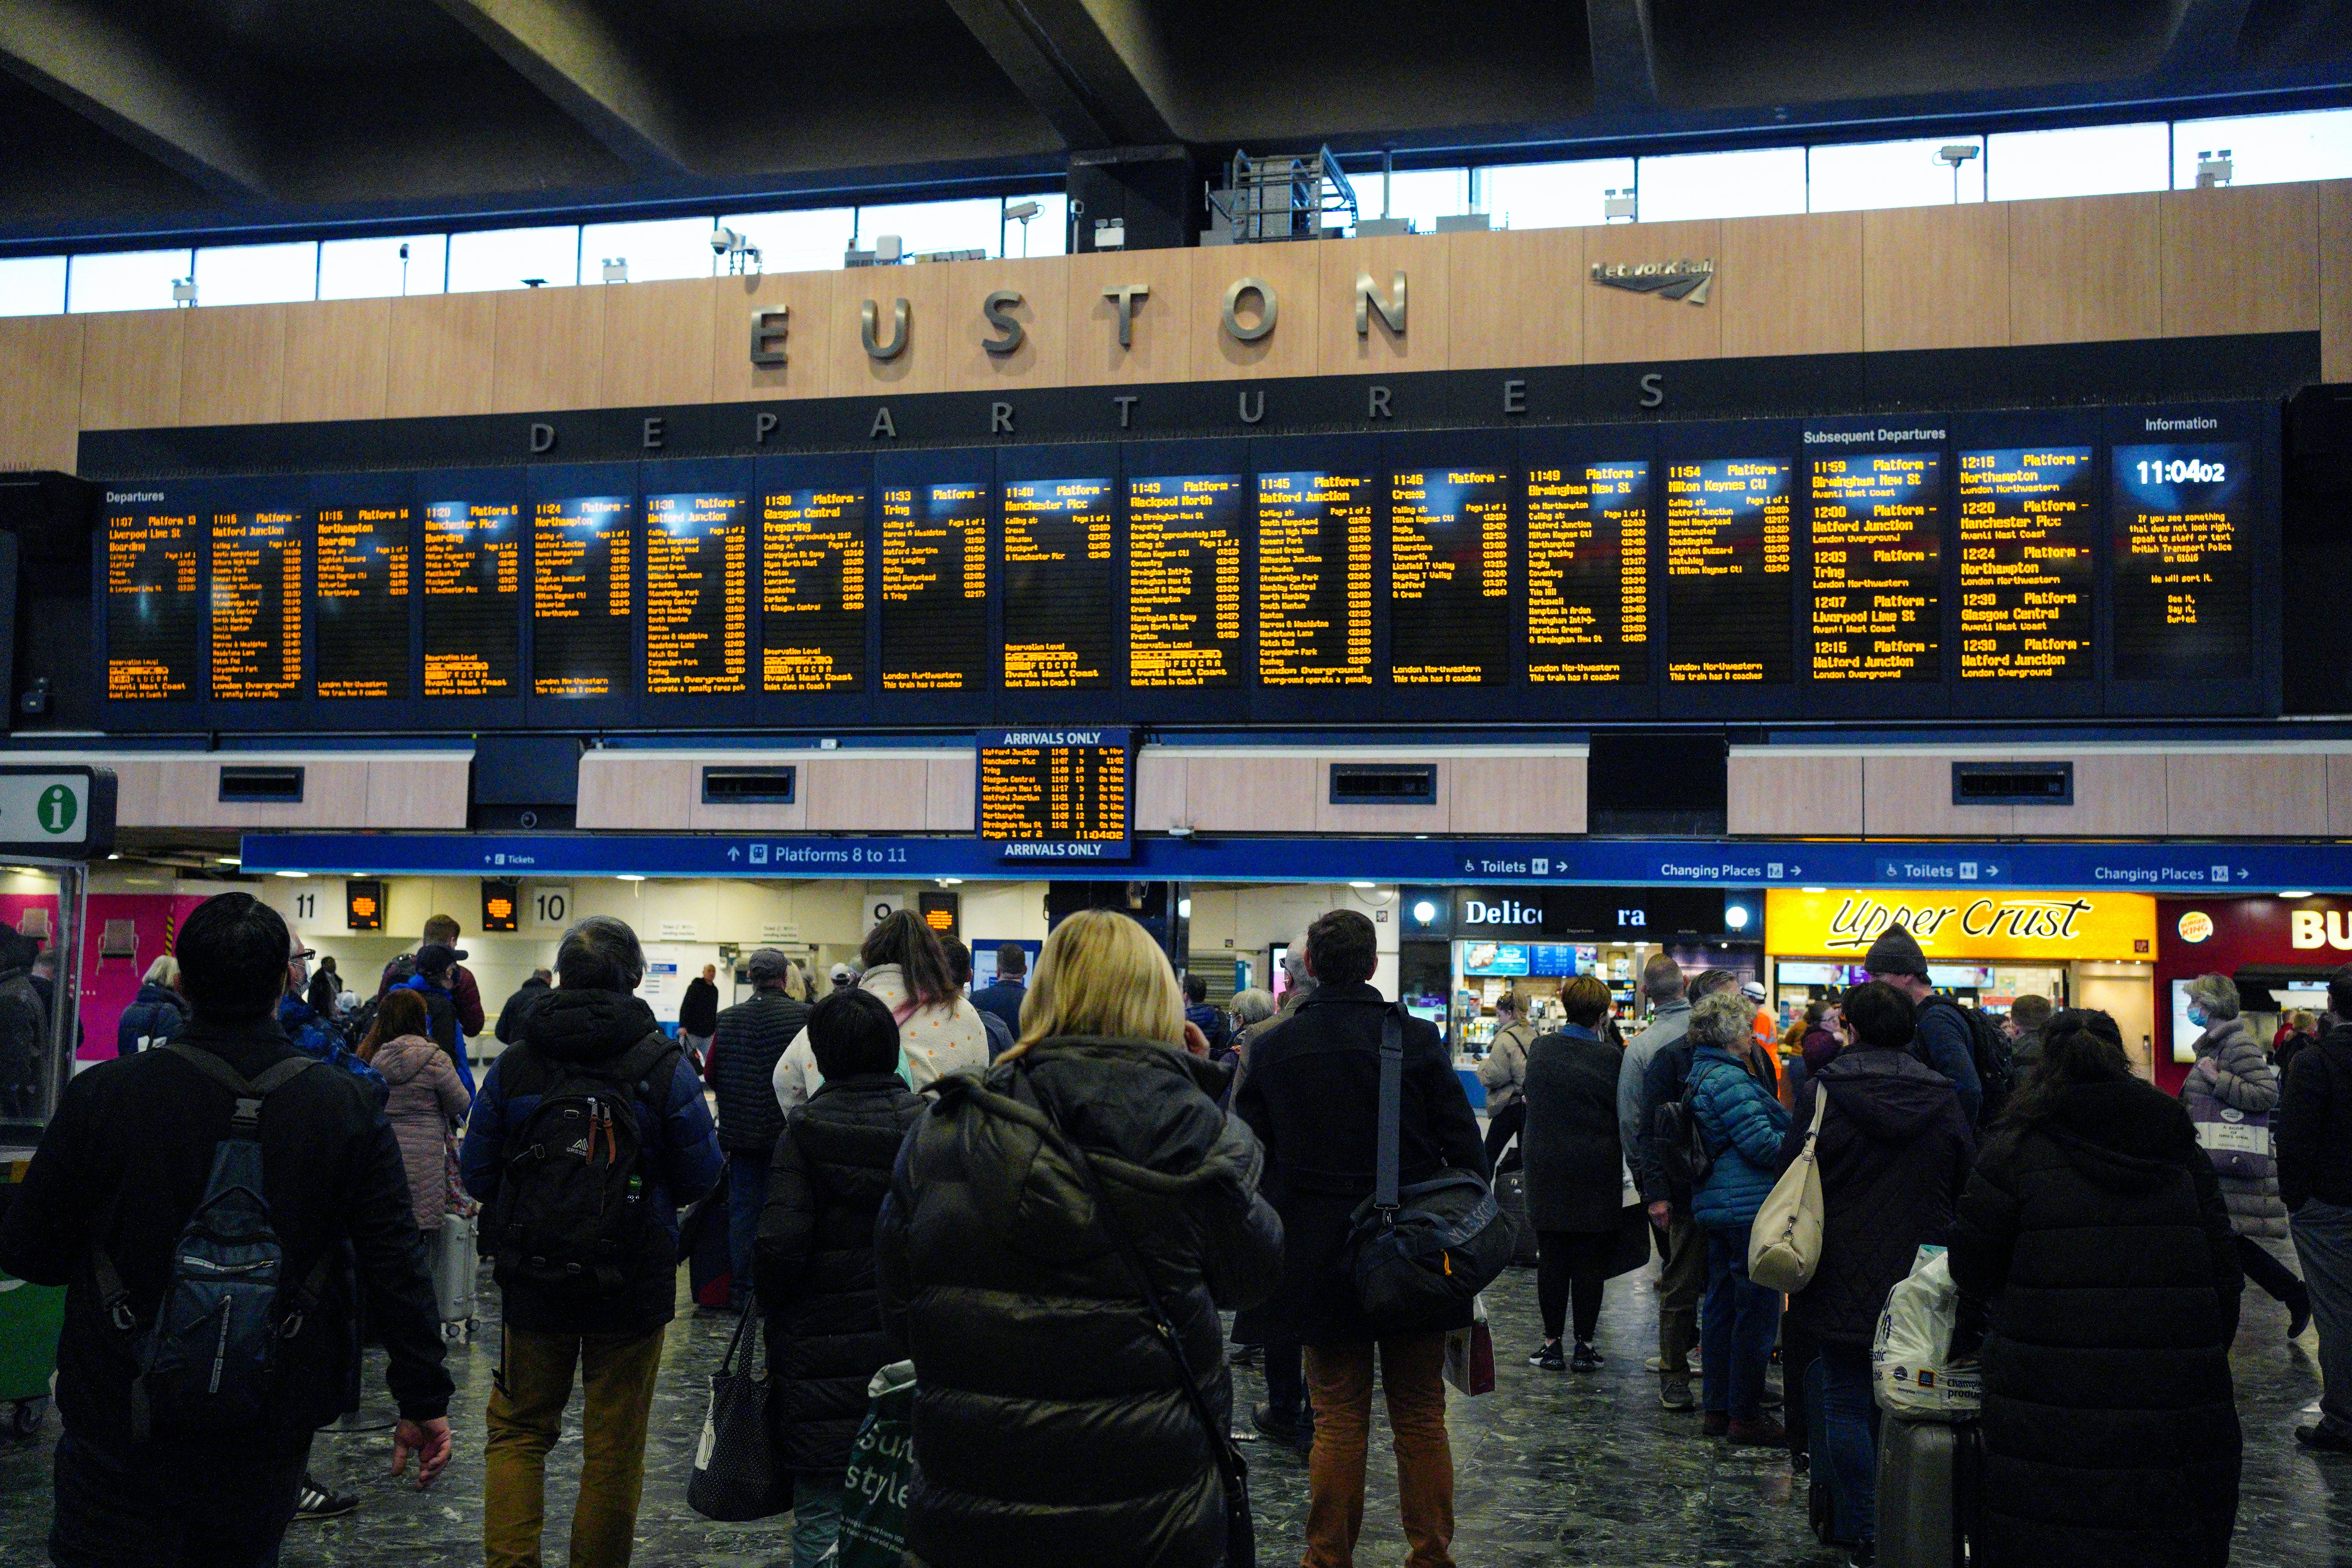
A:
{"x":1553,"y":1469}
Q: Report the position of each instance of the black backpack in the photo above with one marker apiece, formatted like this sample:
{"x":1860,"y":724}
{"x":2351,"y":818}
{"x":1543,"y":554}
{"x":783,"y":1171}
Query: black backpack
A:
{"x":207,"y":1362}
{"x":572,"y":1216}
{"x":1683,"y":1149}
{"x":1989,"y":1051}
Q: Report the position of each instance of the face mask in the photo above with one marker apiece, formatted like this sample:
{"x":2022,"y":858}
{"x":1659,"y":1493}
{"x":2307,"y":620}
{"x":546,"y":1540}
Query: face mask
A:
{"x":2197,"y":1017}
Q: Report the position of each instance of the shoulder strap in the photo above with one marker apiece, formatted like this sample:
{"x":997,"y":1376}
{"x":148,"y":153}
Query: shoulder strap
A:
{"x":1384,"y":1164}
{"x":249,"y":1096}
{"x":1231,"y":1468}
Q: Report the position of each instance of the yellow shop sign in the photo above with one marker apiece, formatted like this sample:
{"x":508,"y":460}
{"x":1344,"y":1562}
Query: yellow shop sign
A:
{"x":1951,"y":924}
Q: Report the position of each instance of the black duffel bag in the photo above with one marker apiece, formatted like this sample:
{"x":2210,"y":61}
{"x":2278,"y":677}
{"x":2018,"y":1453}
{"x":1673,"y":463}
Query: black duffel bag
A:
{"x":1419,"y":1253}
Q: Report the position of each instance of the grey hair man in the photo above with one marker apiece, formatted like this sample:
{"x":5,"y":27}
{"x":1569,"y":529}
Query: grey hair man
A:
{"x":1682,"y":1246}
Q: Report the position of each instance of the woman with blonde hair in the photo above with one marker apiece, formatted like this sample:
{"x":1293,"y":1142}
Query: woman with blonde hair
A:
{"x":427,"y":1096}
{"x":1022,"y":1205}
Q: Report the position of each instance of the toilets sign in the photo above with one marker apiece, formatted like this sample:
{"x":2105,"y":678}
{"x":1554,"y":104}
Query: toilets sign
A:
{"x":55,"y":812}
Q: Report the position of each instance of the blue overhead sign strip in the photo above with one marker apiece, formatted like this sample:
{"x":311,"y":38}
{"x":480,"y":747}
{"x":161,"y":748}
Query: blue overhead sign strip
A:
{"x":2145,"y":868}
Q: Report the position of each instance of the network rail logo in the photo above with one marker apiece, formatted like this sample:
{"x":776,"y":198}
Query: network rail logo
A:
{"x":1685,"y":279}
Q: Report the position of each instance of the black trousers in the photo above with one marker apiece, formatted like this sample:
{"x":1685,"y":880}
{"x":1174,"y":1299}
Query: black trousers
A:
{"x":191,"y":1505}
{"x":1504,"y":1126}
{"x":1571,"y":1265}
{"x":2276,"y":1278}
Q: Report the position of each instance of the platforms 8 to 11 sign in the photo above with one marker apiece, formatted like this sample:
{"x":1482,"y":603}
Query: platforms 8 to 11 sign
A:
{"x":1056,"y":795}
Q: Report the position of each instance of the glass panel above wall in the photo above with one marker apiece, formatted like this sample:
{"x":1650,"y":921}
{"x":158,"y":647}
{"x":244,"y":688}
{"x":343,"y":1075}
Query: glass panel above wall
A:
{"x":2264,"y":149}
{"x":929,"y":227}
{"x":1551,"y":195}
{"x":1862,"y":175}
{"x":1723,"y":185}
{"x":511,"y":258}
{"x":2088,"y":160}
{"x":371,"y":268}
{"x":32,"y":286}
{"x":257,"y":274}
{"x":125,"y":280}
{"x":649,"y":251}
{"x":810,"y":239}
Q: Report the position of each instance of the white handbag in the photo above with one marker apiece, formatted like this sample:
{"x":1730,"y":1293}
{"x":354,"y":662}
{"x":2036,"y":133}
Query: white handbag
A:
{"x":1784,"y":1245}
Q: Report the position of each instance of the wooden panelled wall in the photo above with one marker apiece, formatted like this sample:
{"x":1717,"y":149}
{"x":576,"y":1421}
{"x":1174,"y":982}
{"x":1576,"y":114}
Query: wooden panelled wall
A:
{"x":2257,"y":258}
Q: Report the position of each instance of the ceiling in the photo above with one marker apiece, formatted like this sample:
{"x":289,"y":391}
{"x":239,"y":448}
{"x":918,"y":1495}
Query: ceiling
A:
{"x":124,"y":120}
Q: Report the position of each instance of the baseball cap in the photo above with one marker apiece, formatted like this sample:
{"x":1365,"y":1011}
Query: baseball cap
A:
{"x":434,"y":957}
{"x":1753,"y":991}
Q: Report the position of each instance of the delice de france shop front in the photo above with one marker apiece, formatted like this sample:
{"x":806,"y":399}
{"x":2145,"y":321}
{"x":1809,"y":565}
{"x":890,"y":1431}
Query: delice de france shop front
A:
{"x":2279,"y":951}
{"x":1988,"y":948}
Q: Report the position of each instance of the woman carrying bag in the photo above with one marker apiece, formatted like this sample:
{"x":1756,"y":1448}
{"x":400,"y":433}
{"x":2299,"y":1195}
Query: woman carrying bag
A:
{"x":2231,"y":1093}
{"x":1575,"y":1173}
{"x":1893,"y":1153}
{"x":1056,"y":1426}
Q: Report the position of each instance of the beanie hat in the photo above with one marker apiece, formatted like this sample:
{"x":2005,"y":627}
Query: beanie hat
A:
{"x":1896,"y":953}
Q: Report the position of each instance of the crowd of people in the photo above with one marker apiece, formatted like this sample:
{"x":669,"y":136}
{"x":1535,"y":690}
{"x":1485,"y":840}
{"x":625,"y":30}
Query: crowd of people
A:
{"x":1047,"y":1193}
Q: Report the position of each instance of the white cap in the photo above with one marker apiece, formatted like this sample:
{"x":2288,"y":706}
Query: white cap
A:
{"x":1753,"y":991}
{"x":841,"y":971}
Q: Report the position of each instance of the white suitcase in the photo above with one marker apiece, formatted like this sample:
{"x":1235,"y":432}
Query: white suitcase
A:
{"x":454,"y":1270}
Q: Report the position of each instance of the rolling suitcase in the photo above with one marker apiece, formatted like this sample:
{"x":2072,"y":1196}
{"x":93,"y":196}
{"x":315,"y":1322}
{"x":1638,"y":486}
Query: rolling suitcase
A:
{"x":455,"y":1269}
{"x":1927,"y":1488}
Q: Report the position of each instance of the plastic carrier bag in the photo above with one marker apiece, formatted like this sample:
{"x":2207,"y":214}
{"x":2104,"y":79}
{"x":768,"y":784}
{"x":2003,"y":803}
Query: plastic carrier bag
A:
{"x":881,"y":1465}
{"x":1907,"y":1370}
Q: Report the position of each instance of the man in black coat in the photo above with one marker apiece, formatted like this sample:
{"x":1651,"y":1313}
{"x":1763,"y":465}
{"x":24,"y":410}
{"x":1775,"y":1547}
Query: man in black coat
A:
{"x":1004,"y":998}
{"x":2313,"y":1128}
{"x":146,"y":1127}
{"x":814,"y":1255}
{"x":1893,"y":1153}
{"x":746,"y":1041}
{"x":1312,"y":1096}
{"x":510,"y":1016}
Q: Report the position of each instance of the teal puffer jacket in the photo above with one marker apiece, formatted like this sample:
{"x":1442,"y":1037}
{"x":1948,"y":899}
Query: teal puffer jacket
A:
{"x":1742,"y":1124}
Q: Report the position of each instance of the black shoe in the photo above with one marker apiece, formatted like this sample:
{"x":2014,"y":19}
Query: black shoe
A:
{"x":1583,"y":1360}
{"x":2327,"y":1442}
{"x":2298,"y":1314}
{"x":1549,"y":1357}
{"x":1247,"y":1355}
{"x":315,"y":1501}
{"x":1299,"y":1431}
{"x":1862,"y":1556}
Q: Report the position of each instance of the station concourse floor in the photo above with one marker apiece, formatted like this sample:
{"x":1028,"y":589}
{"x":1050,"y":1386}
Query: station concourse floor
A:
{"x":1553,"y":1468}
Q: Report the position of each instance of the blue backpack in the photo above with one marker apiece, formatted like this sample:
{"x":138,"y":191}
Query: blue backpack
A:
{"x":206,"y":1362}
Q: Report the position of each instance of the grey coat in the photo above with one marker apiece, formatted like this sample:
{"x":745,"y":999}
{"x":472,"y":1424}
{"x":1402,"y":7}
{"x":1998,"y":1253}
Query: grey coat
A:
{"x":1570,"y":1145}
{"x":2235,"y":1071}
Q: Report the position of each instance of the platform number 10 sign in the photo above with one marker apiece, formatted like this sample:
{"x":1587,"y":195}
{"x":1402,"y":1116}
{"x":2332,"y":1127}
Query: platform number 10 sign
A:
{"x":550,"y":907}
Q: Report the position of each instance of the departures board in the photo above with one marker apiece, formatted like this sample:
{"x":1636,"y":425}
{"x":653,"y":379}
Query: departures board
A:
{"x":2007,"y":563}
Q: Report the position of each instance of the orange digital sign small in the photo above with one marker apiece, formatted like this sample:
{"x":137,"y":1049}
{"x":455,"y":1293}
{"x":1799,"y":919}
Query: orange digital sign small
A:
{"x":498,"y":903}
{"x":364,"y":906}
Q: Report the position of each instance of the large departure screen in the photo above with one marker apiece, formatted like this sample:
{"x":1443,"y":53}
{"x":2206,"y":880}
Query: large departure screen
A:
{"x":697,"y":594}
{"x":1315,"y":578}
{"x":1055,"y":795}
{"x":1727,"y":599}
{"x":1877,"y":600}
{"x":579,"y":597}
{"x":935,"y":587}
{"x":2184,"y":571}
{"x":473,"y":589}
{"x":155,"y":623}
{"x":256,"y":604}
{"x":812,"y":590}
{"x":1589,"y":574}
{"x":1450,"y":577}
{"x":2027,"y":534}
{"x":1061,"y":585}
{"x":1184,"y":581}
{"x":360,"y":643}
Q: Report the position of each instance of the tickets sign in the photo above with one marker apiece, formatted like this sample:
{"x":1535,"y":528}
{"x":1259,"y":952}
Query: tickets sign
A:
{"x":1953,"y":924}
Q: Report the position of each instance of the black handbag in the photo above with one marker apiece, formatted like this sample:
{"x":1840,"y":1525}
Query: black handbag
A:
{"x":1233,"y":1470}
{"x":737,"y":1471}
{"x":1418,"y":1254}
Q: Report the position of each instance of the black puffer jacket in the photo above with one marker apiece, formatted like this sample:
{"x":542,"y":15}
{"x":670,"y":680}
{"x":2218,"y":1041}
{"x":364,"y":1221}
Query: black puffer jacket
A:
{"x":1894,"y":1154}
{"x":2101,"y":1240}
{"x":1051,"y":1427}
{"x":1570,"y":1145}
{"x":153,"y":1018}
{"x":751,"y":1034}
{"x":815,"y":1262}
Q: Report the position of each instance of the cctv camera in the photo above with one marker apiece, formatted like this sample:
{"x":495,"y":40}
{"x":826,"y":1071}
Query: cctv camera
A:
{"x":1020,"y":212}
{"x":722,"y":241}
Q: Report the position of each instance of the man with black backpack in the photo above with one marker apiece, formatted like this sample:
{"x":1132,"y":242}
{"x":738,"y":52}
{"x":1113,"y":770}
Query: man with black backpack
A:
{"x":588,"y":1135}
{"x":214,"y":1206}
{"x":1964,"y":1046}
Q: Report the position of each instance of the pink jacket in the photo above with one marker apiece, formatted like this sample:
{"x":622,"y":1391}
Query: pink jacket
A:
{"x":426,"y":1096}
